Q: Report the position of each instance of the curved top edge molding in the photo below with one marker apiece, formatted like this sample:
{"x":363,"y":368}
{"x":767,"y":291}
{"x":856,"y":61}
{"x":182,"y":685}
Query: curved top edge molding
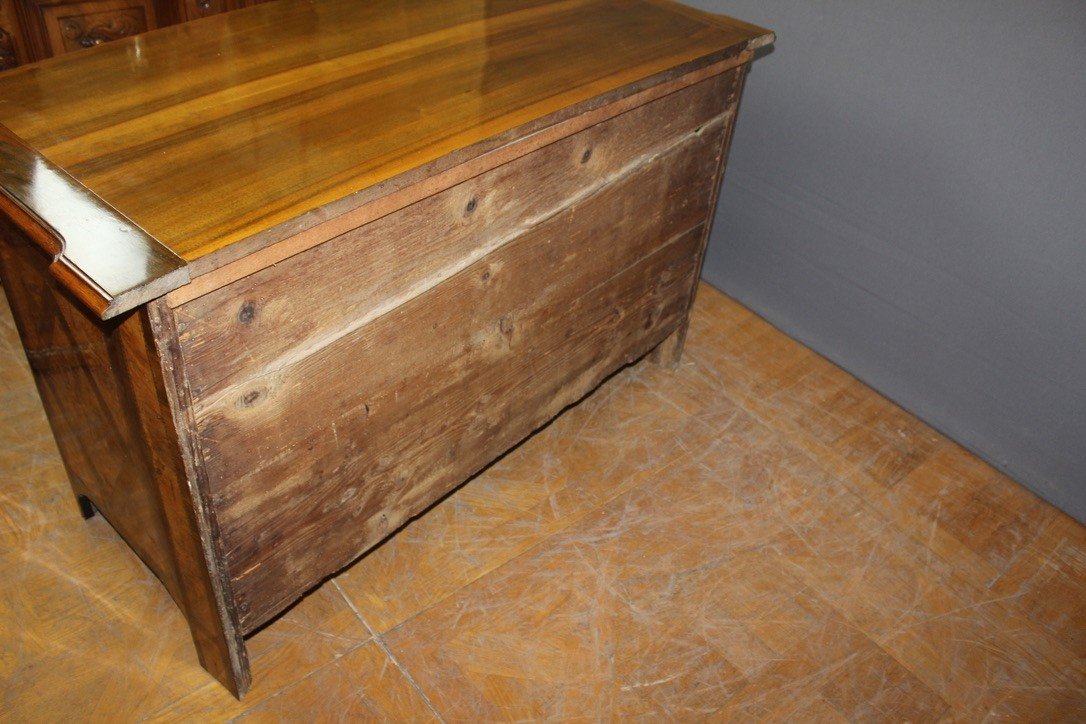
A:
{"x":109,"y":263}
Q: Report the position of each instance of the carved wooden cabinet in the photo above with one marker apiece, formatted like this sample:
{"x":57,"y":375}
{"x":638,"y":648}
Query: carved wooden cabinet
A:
{"x":32,"y":30}
{"x":12,"y":44}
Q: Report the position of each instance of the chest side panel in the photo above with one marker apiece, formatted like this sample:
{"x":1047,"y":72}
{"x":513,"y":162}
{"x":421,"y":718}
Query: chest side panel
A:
{"x":344,"y":390}
{"x":109,"y":404}
{"x":83,"y":368}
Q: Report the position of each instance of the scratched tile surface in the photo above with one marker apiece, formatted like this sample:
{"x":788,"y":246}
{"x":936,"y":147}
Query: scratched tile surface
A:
{"x":756,"y":535}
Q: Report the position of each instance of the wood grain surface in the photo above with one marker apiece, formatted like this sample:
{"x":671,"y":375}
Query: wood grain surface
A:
{"x":243,"y":125}
{"x":755,"y":535}
{"x":319,"y":442}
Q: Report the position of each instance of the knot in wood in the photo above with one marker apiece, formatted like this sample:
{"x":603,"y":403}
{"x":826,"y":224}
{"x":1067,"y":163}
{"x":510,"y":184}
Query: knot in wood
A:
{"x":248,"y":311}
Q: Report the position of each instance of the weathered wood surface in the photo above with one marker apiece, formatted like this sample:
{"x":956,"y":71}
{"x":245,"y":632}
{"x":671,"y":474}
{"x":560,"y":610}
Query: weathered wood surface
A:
{"x":208,"y":601}
{"x":429,"y":418}
{"x":669,"y":352}
{"x":256,"y":124}
{"x":108,"y":403}
{"x":485,"y":310}
{"x":266,"y":320}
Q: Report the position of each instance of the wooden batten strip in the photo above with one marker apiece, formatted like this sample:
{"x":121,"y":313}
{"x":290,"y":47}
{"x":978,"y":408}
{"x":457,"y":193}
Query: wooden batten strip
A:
{"x":401,"y":198}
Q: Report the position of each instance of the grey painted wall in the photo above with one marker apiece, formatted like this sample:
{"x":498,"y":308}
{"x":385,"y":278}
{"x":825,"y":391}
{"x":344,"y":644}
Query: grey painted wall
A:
{"x":906,"y":194}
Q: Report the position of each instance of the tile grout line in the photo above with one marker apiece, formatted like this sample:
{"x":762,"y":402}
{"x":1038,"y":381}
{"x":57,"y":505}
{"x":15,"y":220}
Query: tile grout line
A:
{"x":272,"y":697}
{"x":381,"y":644}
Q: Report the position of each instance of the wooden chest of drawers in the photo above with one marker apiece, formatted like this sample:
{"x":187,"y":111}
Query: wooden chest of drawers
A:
{"x":292,"y":274}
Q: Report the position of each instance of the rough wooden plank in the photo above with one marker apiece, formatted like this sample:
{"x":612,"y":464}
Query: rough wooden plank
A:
{"x":313,"y":425}
{"x":232,"y":334}
{"x":251,"y":423}
{"x":670,"y":351}
{"x":290,"y":427}
{"x":436,"y":424}
{"x":208,"y":601}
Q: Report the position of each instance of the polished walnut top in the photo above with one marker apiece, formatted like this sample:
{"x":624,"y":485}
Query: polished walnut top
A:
{"x":254,"y":124}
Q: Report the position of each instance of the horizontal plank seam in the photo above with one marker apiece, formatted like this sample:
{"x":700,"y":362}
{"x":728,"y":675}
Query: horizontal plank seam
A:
{"x":548,"y":363}
{"x":671,"y":241}
{"x":378,"y":208}
{"x":297,"y":355}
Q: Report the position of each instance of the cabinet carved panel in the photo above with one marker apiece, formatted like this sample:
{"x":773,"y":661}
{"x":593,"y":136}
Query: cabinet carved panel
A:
{"x":11,"y":45}
{"x":32,"y":30}
{"x":88,"y":30}
{"x":8,"y":58}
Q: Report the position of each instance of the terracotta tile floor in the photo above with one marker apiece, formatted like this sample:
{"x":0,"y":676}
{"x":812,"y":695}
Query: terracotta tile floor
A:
{"x":756,"y":535}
